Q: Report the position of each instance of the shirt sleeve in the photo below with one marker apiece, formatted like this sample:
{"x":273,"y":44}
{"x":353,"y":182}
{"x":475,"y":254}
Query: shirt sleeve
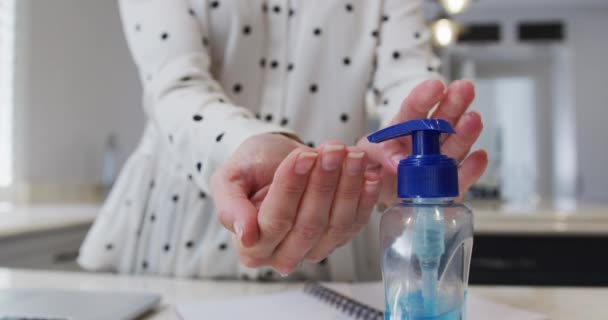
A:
{"x":183,"y":101}
{"x":404,"y":57}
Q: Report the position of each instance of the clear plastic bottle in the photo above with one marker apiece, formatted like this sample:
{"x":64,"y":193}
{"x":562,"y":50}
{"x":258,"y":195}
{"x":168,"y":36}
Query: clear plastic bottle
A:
{"x":426,"y":238}
{"x":432,"y":285}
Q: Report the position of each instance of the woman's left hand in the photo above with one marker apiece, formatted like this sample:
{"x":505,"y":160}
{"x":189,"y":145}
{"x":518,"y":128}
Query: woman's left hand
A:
{"x":453,"y":103}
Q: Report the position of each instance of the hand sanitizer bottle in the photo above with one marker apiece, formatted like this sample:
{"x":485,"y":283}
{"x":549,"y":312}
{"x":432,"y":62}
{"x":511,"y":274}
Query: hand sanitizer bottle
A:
{"x":426,"y":237}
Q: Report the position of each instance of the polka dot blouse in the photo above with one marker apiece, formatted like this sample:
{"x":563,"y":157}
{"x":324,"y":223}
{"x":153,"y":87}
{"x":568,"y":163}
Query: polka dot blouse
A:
{"x":215,"y":73}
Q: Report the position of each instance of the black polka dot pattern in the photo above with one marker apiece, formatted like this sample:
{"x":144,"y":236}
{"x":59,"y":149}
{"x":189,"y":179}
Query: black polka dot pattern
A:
{"x":152,"y":217}
{"x":197,"y":117}
{"x":190,"y":244}
{"x":311,"y":144}
{"x":313,"y":88}
{"x":385,"y":18}
{"x":223,"y":246}
{"x":346,"y":61}
{"x":152,"y":183}
{"x":317,"y":31}
{"x":264,"y":7}
{"x":171,"y":138}
{"x":185,"y":79}
{"x":417,"y":35}
{"x":164,"y":36}
{"x":219,"y":137}
{"x":348,"y":7}
{"x":268,"y":117}
{"x":175,"y":198}
{"x":247,"y":30}
{"x":205,"y":41}
{"x":344,"y":117}
{"x":144,"y":264}
{"x":237,"y":88}
{"x":109,"y":247}
{"x":284,"y":122}
{"x":138,"y":27}
{"x":274,"y":64}
{"x":214,"y":4}
{"x":375,"y":33}
{"x":262,"y":62}
{"x":385,"y":102}
{"x":396,"y":55}
{"x":199,"y":166}
{"x":276,"y":9}
{"x":290,"y":67}
{"x":191,"y":12}
{"x":291,"y":12}
{"x":166,"y":247}
{"x":430,"y":69}
{"x":202,"y":195}
{"x":258,"y":115}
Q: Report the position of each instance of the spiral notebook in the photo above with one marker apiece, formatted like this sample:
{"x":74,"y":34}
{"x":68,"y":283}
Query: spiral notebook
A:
{"x":330,"y":302}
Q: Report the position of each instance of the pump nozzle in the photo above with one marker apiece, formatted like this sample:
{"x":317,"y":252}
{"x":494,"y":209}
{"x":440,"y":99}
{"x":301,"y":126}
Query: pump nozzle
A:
{"x":426,"y":173}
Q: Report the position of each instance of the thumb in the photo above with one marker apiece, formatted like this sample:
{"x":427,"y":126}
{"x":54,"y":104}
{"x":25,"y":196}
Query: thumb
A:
{"x":386,"y":154}
{"x":234,"y":208}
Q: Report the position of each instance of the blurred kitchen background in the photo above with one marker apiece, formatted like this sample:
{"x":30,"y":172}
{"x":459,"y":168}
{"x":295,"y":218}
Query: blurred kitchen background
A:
{"x":70,"y":115}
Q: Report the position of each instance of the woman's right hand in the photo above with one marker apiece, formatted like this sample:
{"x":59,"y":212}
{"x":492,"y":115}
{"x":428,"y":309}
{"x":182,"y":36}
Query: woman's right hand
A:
{"x":286,"y":202}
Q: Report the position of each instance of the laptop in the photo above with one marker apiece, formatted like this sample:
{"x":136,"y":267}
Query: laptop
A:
{"x":73,"y":305}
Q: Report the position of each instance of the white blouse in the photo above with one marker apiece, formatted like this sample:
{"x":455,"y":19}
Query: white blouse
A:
{"x":216,"y":72}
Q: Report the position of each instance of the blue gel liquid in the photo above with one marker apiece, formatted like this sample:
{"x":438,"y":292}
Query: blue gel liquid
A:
{"x":414,"y":308}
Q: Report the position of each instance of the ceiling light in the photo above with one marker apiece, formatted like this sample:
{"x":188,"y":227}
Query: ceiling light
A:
{"x":445,"y":32}
{"x":455,"y":6}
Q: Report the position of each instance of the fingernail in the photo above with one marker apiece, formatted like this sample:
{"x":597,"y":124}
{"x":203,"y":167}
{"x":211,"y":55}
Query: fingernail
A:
{"x":332,"y":157}
{"x":305,"y":162}
{"x":354,"y":163}
{"x":371,"y":186}
{"x":238,"y":230}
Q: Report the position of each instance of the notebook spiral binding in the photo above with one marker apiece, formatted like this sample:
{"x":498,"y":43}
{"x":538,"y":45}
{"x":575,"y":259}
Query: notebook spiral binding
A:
{"x":346,"y":305}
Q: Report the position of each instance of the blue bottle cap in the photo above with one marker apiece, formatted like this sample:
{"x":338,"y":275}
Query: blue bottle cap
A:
{"x":426,"y":173}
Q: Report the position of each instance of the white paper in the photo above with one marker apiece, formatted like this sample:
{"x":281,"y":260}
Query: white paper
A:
{"x":298,"y":305}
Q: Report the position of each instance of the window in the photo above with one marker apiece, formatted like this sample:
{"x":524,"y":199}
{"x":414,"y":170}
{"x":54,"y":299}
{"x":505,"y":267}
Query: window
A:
{"x":7,"y":55}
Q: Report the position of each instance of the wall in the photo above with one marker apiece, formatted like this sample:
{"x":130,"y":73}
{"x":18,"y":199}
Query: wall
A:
{"x":77,"y":84}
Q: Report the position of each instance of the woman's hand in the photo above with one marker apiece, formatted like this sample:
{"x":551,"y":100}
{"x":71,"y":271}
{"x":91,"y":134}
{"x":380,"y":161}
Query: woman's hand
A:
{"x":453,"y":104}
{"x":287,"y":203}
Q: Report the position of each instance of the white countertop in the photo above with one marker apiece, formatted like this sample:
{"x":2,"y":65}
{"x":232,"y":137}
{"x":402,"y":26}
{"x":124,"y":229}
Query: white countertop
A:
{"x":557,"y":303}
{"x":17,"y":220}
{"x":542,"y":219}
{"x":584,"y":220}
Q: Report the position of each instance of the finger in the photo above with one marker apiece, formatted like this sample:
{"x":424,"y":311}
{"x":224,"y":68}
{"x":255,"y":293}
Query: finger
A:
{"x":386,"y":154}
{"x":369,"y":198}
{"x":468,"y":129}
{"x":455,"y":102}
{"x":416,"y":106}
{"x":420,"y":101}
{"x":235,"y":210}
{"x":471,"y":170}
{"x":314,"y":209}
{"x":344,"y":208}
{"x":279,"y":208}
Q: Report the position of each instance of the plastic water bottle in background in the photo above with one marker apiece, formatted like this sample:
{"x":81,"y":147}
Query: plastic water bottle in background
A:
{"x":426,"y":238}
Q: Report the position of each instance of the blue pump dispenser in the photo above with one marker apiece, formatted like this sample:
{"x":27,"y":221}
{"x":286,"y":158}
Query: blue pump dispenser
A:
{"x":426,"y":173}
{"x":426,"y":238}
